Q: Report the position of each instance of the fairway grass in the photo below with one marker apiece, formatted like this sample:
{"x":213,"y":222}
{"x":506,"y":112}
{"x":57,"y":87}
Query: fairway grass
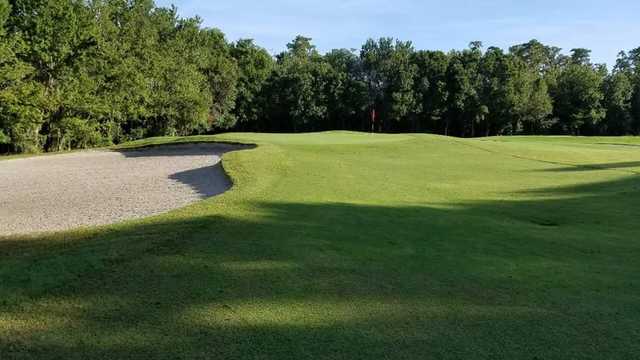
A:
{"x":353,"y":246}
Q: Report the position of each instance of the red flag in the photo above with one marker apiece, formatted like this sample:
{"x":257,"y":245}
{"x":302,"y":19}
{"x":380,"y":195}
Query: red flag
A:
{"x":373,"y":115}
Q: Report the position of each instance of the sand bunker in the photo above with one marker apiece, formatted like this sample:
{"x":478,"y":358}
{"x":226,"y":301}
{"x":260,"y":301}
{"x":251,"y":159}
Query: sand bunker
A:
{"x":60,"y":192}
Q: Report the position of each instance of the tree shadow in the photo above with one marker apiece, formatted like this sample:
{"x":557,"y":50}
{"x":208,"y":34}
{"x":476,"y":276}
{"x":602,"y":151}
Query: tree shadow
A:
{"x":334,"y":280}
{"x":184,"y":149}
{"x":619,"y":144}
{"x":595,"y":167}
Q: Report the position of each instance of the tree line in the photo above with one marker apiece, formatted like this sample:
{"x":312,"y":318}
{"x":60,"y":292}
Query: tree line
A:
{"x":78,"y":73}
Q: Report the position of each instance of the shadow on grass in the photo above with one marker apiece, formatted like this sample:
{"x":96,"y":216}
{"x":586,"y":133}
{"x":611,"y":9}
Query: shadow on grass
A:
{"x":291,"y":281}
{"x":592,"y":167}
{"x":619,"y":144}
{"x":184,"y":149}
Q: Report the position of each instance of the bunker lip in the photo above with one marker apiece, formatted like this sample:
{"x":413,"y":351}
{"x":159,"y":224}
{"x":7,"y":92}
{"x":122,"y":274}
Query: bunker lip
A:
{"x":101,"y":187}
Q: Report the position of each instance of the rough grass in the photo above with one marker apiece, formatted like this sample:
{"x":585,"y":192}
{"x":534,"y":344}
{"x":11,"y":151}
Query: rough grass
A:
{"x":353,"y":246}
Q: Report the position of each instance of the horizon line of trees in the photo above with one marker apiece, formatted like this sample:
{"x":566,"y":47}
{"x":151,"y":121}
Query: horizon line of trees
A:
{"x":83,"y":73}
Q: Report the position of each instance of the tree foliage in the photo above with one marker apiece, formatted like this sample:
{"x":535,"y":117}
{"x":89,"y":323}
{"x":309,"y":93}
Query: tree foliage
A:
{"x":76,"y":74}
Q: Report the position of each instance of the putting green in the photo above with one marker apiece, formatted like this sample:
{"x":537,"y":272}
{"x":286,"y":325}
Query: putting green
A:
{"x":358,"y":246}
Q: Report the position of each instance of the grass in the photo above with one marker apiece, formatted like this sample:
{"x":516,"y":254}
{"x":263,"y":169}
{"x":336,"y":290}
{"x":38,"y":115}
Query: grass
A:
{"x":353,"y":246}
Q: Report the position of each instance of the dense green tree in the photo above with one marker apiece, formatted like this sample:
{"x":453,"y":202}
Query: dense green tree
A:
{"x":296,"y":89}
{"x":430,"y":89}
{"x":116,"y":70}
{"x":537,"y":56}
{"x":580,"y":56}
{"x":124,"y":67}
{"x":494,"y":117}
{"x":179,"y":100}
{"x":61,"y":39}
{"x":633,"y":61}
{"x":21,"y":116}
{"x":347,"y":100}
{"x":618,"y":95}
{"x":255,"y":65}
{"x":578,"y":97}
{"x":221,"y":72}
{"x":547,"y":61}
{"x":465,"y":109}
{"x":528,"y":102}
{"x":389,"y":74}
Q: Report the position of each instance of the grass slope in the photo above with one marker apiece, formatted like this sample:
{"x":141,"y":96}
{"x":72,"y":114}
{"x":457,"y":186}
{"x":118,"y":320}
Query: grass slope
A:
{"x":353,"y":246}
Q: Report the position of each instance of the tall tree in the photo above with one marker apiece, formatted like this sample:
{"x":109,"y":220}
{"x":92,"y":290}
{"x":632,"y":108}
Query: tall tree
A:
{"x":389,"y":74}
{"x":528,"y":101}
{"x":634,"y":69}
{"x":430,"y":89}
{"x":465,"y":109}
{"x":21,"y":116}
{"x":297,"y":88}
{"x":61,"y":38}
{"x":618,"y":96}
{"x":346,"y":91}
{"x":255,"y":65}
{"x":578,"y":97}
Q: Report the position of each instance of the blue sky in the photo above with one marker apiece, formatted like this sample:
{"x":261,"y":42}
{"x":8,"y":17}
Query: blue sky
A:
{"x":605,"y":27}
